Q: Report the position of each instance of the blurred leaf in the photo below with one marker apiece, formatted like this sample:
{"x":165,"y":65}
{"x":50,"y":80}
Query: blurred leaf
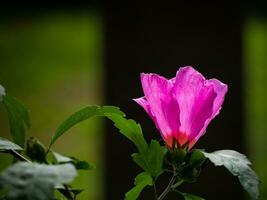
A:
{"x":130,"y":129}
{"x":80,"y":164}
{"x":238,"y":165}
{"x":30,"y":181}
{"x":8,"y":145}
{"x":35,"y":150}
{"x":19,"y":119}
{"x":151,"y":160}
{"x":76,"y":191}
{"x":76,"y":162}
{"x":141,"y":181}
{"x":2,"y":92}
{"x":60,"y":158}
{"x":82,"y":115}
{"x":191,"y":197}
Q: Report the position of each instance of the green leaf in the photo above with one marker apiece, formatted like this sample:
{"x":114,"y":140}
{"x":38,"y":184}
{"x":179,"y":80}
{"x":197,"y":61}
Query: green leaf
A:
{"x":63,"y":190}
{"x":35,"y":150}
{"x":19,"y":119}
{"x":238,"y":165}
{"x":2,"y":92}
{"x":79,"y":164}
{"x":76,"y":191}
{"x":141,"y":181}
{"x":60,"y":158}
{"x":8,"y":145}
{"x":82,"y":115}
{"x":196,"y":158}
{"x":30,"y":181}
{"x":151,"y":160}
{"x":191,"y":197}
{"x":130,"y":129}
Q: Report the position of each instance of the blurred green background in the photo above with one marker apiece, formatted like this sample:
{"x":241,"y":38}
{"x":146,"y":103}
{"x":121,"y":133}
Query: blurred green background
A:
{"x":52,"y":62}
{"x":255,"y":96}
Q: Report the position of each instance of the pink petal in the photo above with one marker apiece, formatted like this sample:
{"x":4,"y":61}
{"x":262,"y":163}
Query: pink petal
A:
{"x":195,"y":99}
{"x":143,"y":102}
{"x":220,"y":89}
{"x":160,"y":104}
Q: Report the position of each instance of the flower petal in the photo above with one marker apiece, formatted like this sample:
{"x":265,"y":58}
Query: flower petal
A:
{"x":195,"y":99}
{"x":143,"y":102}
{"x":160,"y":104}
{"x":220,"y":89}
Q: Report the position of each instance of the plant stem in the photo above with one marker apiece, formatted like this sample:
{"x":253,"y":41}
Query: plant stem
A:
{"x":18,"y":156}
{"x":155,"y":190}
{"x":168,"y":188}
{"x":177,"y":184}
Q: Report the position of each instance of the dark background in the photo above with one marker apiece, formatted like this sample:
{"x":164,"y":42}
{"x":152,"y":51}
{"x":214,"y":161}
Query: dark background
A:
{"x":160,"y":37}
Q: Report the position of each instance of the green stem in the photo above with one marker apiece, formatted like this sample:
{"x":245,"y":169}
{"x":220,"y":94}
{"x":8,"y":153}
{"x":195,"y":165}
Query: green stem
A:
{"x":18,"y":156}
{"x":177,"y":184}
{"x":155,"y":190}
{"x":168,"y":188}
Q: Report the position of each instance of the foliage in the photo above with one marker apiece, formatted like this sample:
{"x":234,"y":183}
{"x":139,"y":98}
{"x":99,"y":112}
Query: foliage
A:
{"x":19,"y":119}
{"x":141,"y":181}
{"x":38,"y":170}
{"x":238,"y":165}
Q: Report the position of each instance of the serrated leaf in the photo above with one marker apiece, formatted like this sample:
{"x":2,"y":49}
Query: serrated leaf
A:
{"x":130,"y":129}
{"x":81,"y":115}
{"x":141,"y":181}
{"x":238,"y":165}
{"x":19,"y":119}
{"x":30,"y":181}
{"x":8,"y":145}
{"x":2,"y":92}
{"x":151,"y":160}
{"x":191,"y":197}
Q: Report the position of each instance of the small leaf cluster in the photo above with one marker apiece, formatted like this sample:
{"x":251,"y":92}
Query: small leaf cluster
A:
{"x":184,"y":164}
{"x":37,"y":171}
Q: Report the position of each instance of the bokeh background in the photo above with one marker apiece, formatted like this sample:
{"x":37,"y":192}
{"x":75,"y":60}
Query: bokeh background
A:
{"x":57,"y":58}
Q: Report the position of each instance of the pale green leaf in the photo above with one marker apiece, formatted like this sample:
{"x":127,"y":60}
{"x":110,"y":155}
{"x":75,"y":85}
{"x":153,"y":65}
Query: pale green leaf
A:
{"x":8,"y":145}
{"x":32,"y":181}
{"x":81,"y":115}
{"x":141,"y":181}
{"x":79,"y":164}
{"x":2,"y":92}
{"x":60,"y":158}
{"x":238,"y":165}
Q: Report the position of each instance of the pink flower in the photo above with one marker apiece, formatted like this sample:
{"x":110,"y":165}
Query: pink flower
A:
{"x":183,"y":106}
